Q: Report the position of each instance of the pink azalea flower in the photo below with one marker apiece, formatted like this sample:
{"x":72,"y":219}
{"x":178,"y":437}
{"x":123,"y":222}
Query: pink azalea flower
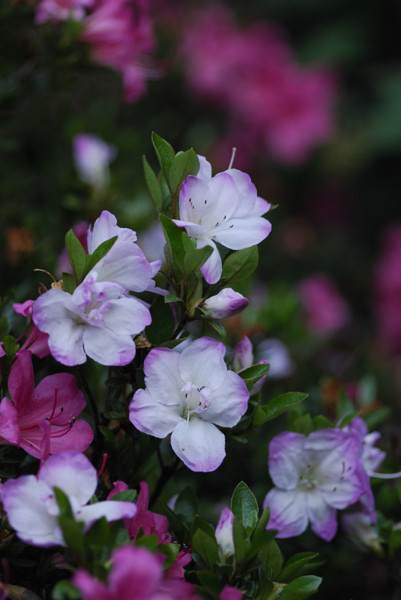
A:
{"x":252,"y":75}
{"x":136,"y":575}
{"x":42,"y":420}
{"x":230,"y":593}
{"x":36,"y":341}
{"x":326,"y":310}
{"x":60,"y":10}
{"x":314,"y":476}
{"x":224,"y":209}
{"x":31,"y":507}
{"x":120,"y":35}
{"x":188,"y":394}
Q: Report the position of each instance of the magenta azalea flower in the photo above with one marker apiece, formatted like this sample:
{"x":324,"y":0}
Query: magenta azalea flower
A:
{"x":314,"y":476}
{"x":224,"y":209}
{"x":187,"y":394}
{"x":42,"y":420}
{"x":31,"y":507}
{"x":136,"y":574}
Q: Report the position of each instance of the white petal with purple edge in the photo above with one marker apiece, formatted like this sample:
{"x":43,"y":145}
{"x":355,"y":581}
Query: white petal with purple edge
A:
{"x":108,"y":348}
{"x":66,"y":342}
{"x":228,"y":402}
{"x":73,"y":473}
{"x":200,"y":445}
{"x":127,"y":315}
{"x":287,"y":512}
{"x":24,"y":500}
{"x":202,"y":363}
{"x":323,"y":518}
{"x":213,"y":267}
{"x":151,"y":417}
{"x":110,"y":509}
{"x":287,"y":459}
{"x":237,"y":234}
{"x":162,"y":377}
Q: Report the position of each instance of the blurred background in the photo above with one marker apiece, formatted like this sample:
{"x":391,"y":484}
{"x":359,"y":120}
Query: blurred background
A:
{"x":310,"y":95}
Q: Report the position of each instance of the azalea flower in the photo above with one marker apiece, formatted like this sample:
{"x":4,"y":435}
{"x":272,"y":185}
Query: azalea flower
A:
{"x":92,"y":157}
{"x":225,"y":304}
{"x":36,"y":341}
{"x":224,"y":534}
{"x":100,"y":317}
{"x":60,"y":10}
{"x":224,"y":209}
{"x":314,"y":476}
{"x":136,"y":574}
{"x":42,"y":420}
{"x":243,"y":358}
{"x":98,"y":320}
{"x":187,"y":394}
{"x":325,"y":309}
{"x":31,"y":507}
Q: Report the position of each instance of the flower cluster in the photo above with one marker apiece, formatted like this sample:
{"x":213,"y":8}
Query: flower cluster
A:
{"x":252,"y":74}
{"x":119,"y":34}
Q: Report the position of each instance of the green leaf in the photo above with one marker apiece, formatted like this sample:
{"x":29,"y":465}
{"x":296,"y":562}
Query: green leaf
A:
{"x":98,"y":533}
{"x":206,"y":546}
{"x":273,"y":559}
{"x":295,"y":564}
{"x":263,"y":521}
{"x":242,"y":543}
{"x":281,"y":403}
{"x":322,"y":422}
{"x":245,"y":507}
{"x":125,"y":496}
{"x":260,"y":542}
{"x":65,"y":590}
{"x":10,"y":346}
{"x":217,"y":328}
{"x":240,"y":264}
{"x":161,"y":328}
{"x":211,"y":582}
{"x":302,"y":424}
{"x":153,"y":184}
{"x":69,"y":283}
{"x":170,"y":298}
{"x":76,"y":254}
{"x":259,"y":416}
{"x":174,"y":240}
{"x":184,"y":164}
{"x":102,"y":250}
{"x":165,"y":155}
{"x":63,"y":503}
{"x":252,"y":374}
{"x":194,"y":258}
{"x":301,"y":588}
{"x":186,"y":504}
{"x":170,"y":550}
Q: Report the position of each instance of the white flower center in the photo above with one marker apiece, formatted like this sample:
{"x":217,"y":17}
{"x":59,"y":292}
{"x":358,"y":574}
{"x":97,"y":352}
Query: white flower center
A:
{"x":195,"y":400}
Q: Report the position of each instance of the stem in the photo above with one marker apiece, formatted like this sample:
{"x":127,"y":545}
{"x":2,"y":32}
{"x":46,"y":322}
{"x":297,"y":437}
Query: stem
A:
{"x":91,"y":400}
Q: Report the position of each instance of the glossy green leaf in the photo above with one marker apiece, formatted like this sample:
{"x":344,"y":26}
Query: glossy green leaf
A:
{"x":251,"y":375}
{"x":280,"y":404}
{"x":295,"y":564}
{"x":69,"y":283}
{"x":161,"y":328}
{"x":174,"y":240}
{"x":76,"y":254}
{"x":184,"y":164}
{"x":206,"y":546}
{"x":153,"y":184}
{"x":165,"y":155}
{"x":240,"y":264}
{"x":245,"y":507}
{"x":100,"y":252}
{"x":301,"y":588}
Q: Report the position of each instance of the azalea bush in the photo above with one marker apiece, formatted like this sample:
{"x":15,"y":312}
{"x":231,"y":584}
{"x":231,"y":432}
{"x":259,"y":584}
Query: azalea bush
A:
{"x":196,"y":399}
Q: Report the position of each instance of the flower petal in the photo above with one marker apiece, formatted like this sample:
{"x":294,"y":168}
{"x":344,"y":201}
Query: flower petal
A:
{"x":199,"y":444}
{"x":287,"y":459}
{"x":239,"y":233}
{"x":71,"y":472}
{"x":112,"y":510}
{"x":107,"y":347}
{"x":202,"y":363}
{"x":24,"y":500}
{"x":323,"y":518}
{"x":150,"y":416}
{"x":162,"y":376}
{"x":287,"y":512}
{"x":228,"y":402}
{"x":127,"y":315}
